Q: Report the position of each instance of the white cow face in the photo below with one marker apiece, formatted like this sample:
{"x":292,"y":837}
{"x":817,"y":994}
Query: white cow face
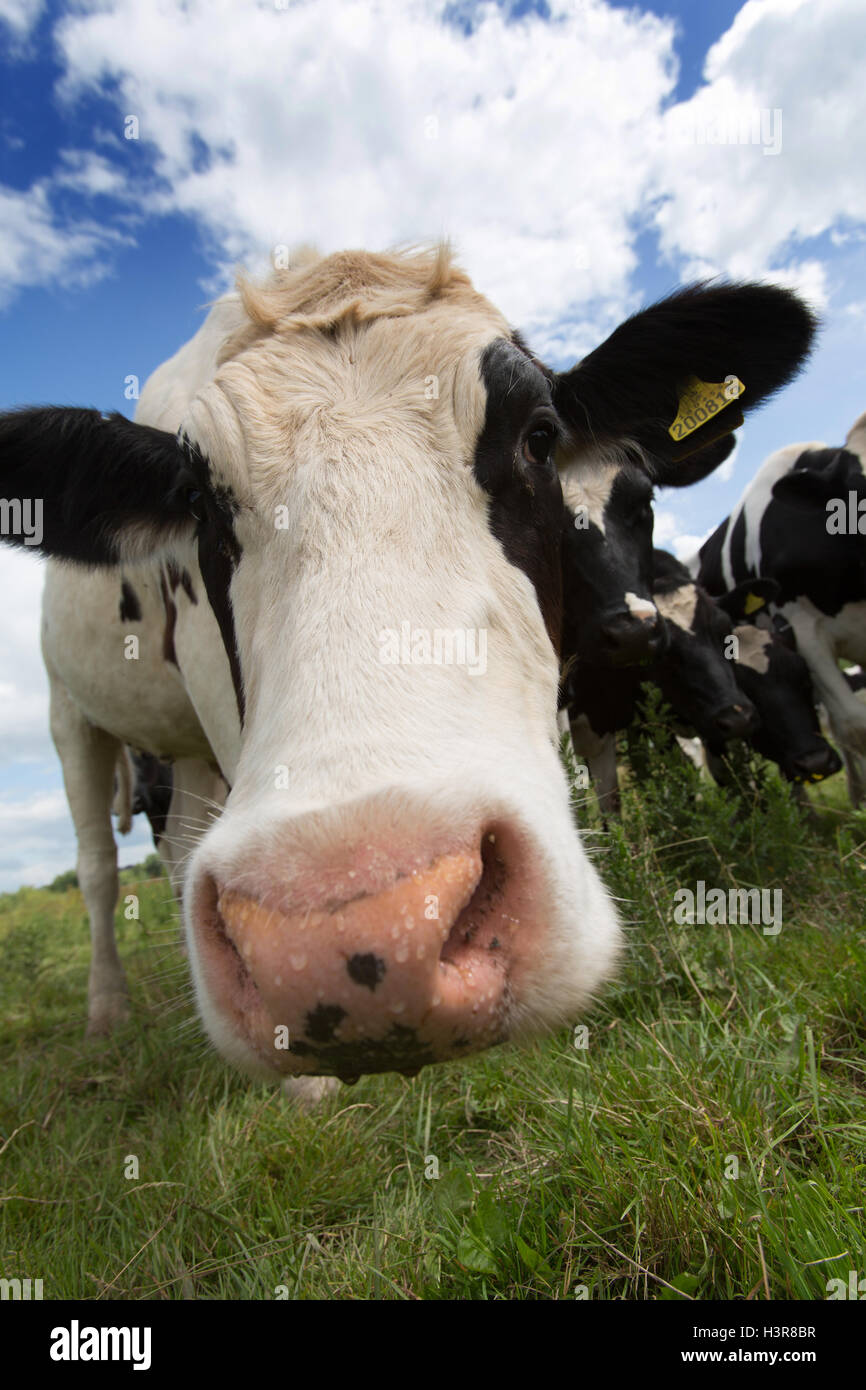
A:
{"x":396,"y":878}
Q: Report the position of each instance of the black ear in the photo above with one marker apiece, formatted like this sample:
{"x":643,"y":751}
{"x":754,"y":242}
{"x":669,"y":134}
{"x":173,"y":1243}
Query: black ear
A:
{"x":696,"y":466}
{"x":748,"y":598}
{"x":94,"y":488}
{"x":628,"y":392}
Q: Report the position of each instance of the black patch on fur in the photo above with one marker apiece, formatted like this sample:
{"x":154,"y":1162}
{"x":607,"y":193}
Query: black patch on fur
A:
{"x":219,"y":554}
{"x":525,"y":505}
{"x":367,"y":969}
{"x":168,"y":651}
{"x":130,"y":608}
{"x":98,"y":476}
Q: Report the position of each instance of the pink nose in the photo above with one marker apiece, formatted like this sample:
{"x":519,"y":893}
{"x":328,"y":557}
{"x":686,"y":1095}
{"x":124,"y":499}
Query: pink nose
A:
{"x":389,"y":980}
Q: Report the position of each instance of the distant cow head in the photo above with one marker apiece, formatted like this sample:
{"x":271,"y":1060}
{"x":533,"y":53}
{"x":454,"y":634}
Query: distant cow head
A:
{"x":697,"y":676}
{"x":368,"y":486}
{"x":771,"y":671}
{"x":607,"y":553}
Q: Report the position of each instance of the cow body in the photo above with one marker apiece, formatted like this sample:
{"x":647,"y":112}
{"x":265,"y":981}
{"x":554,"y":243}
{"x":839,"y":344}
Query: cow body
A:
{"x":346,"y":462}
{"x":793,"y":525}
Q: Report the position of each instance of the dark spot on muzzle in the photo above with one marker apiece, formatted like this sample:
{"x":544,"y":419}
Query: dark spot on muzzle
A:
{"x":323,"y":1022}
{"x":366,"y":969}
{"x":399,"y":1050}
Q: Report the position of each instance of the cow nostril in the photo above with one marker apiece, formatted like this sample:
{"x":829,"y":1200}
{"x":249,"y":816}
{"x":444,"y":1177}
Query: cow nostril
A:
{"x":630,"y":639}
{"x":736,"y":721}
{"x":481,"y":925}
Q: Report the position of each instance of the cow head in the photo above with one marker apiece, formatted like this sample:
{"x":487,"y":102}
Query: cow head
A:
{"x":773,"y":674}
{"x":369,"y":489}
{"x":697,"y":676}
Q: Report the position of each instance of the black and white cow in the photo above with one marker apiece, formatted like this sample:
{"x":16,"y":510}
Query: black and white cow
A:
{"x":722,"y":676}
{"x":691,"y":670}
{"x":774,"y":676}
{"x":344,"y":462}
{"x":802,"y":522}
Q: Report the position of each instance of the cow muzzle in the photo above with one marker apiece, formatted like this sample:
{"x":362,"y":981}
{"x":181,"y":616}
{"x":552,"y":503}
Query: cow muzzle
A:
{"x":629,"y":640}
{"x":419,"y":971}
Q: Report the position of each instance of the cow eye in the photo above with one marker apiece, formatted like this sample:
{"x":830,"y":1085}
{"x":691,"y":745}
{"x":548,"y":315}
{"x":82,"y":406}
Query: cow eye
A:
{"x":538,"y":444}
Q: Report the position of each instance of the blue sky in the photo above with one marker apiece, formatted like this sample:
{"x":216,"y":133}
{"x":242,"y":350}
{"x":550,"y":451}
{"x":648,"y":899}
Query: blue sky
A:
{"x":567,"y":148}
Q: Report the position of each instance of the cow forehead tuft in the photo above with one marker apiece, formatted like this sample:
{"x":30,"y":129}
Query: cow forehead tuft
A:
{"x":365,"y":387}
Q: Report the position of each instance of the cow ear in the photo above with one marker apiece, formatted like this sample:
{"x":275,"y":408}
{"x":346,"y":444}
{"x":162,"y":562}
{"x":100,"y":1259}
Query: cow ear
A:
{"x":695,"y":467}
{"x":666,"y":383}
{"x":748,"y":598}
{"x":92,"y":488}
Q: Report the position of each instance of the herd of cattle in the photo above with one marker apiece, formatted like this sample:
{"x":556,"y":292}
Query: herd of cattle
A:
{"x":377,"y":863}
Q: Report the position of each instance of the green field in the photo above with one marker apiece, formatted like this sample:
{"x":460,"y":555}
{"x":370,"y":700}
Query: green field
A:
{"x":603,"y":1171}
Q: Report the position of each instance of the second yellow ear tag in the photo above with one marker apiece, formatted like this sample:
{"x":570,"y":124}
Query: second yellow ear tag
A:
{"x":700,"y":401}
{"x":753,"y":603}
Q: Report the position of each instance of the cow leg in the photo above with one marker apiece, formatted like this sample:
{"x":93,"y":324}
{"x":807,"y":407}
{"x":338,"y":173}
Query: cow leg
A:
{"x":308,"y":1092}
{"x":599,"y":750}
{"x":855,"y":771}
{"x":88,"y":756}
{"x":845,"y":713}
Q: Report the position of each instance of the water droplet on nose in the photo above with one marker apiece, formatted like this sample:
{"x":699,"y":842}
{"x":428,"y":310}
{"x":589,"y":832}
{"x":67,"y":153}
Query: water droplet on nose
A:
{"x":298,"y":961}
{"x":401,"y":955}
{"x":278,"y":979}
{"x":397,"y":1008}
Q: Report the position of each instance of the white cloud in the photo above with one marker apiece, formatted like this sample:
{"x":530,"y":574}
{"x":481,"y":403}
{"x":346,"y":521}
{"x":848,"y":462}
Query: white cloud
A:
{"x":21,"y":15}
{"x":528,"y":143}
{"x":542,"y":146}
{"x":790,"y":72}
{"x":38,"y":841}
{"x":40,"y":247}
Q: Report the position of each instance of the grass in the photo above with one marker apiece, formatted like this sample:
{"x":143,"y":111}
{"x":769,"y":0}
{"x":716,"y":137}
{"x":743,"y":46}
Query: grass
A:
{"x":708,"y":1142}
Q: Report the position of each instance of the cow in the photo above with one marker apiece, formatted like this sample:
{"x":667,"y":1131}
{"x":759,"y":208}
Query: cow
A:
{"x":690,"y":670}
{"x":347,"y":461}
{"x":774,"y":676}
{"x":755,"y":687}
{"x":802,"y":522}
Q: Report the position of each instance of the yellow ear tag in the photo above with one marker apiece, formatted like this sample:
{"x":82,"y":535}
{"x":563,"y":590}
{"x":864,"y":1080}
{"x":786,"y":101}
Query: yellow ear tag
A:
{"x":700,"y":401}
{"x":753,"y":603}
